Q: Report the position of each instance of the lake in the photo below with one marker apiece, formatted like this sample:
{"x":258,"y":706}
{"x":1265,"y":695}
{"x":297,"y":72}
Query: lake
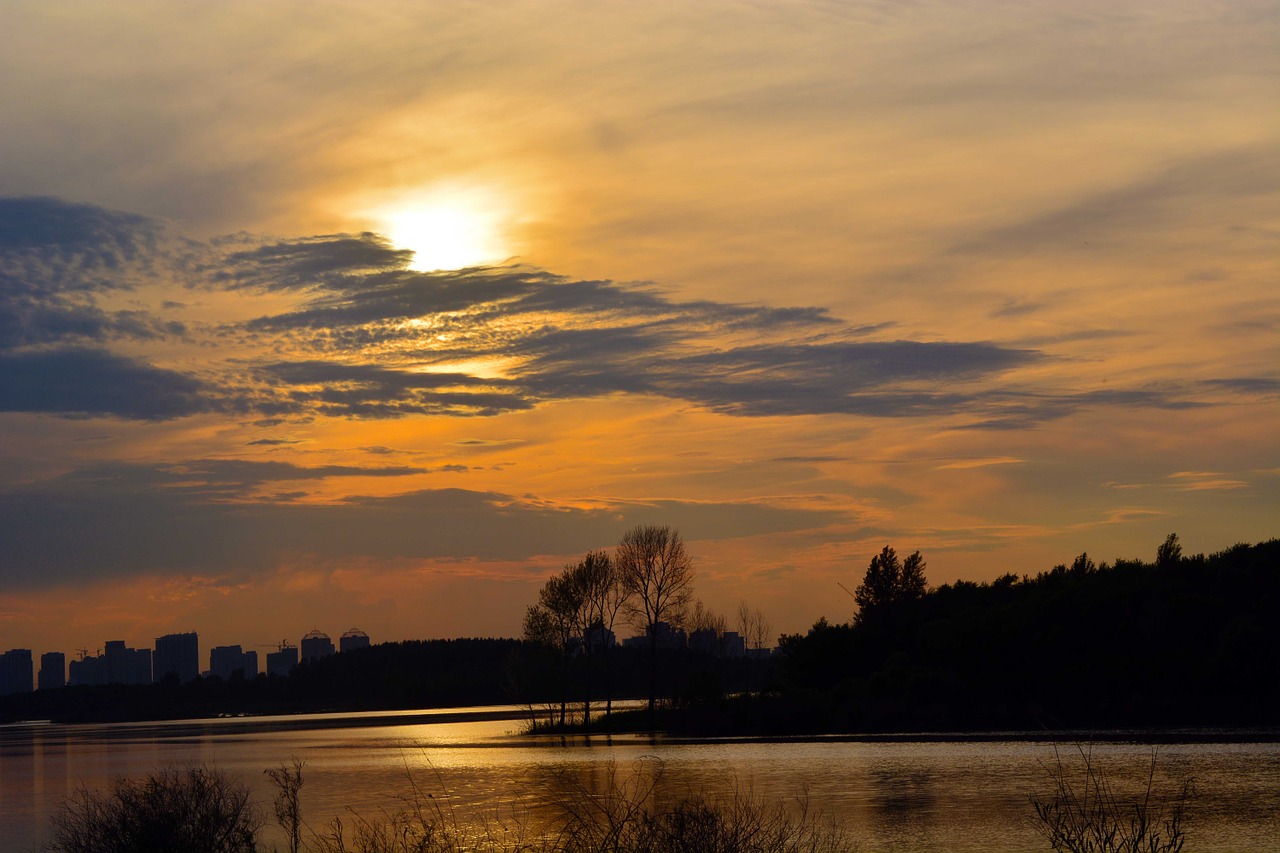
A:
{"x":903,"y":794}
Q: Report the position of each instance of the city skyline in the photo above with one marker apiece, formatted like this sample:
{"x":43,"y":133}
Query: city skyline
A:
{"x":381,"y":316}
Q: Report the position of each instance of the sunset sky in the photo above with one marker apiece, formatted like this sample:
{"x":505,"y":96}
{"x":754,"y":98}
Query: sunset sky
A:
{"x":321,"y":315}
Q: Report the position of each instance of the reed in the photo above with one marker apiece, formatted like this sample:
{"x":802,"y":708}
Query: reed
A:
{"x":1084,"y":814}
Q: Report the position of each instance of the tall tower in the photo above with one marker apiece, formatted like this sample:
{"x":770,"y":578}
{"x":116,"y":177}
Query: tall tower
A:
{"x":316,"y":645}
{"x":53,"y":670}
{"x":179,"y":654}
{"x":353,"y":639}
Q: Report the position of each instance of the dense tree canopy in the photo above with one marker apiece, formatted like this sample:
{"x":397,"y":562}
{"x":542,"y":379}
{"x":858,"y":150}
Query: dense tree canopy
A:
{"x":888,"y":582}
{"x":1178,"y":641}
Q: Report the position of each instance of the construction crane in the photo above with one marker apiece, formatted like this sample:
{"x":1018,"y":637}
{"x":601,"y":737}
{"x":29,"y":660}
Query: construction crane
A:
{"x":84,"y":653}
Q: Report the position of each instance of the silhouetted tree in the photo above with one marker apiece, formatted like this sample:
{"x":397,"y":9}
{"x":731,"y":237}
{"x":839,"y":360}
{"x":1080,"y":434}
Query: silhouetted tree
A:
{"x":556,"y":621}
{"x":703,"y":618}
{"x":755,"y":629}
{"x":606,"y":597}
{"x":657,"y":573}
{"x":1169,"y":553}
{"x":595,"y":585}
{"x":1082,"y":565}
{"x":889,"y":581}
{"x":286,"y":804}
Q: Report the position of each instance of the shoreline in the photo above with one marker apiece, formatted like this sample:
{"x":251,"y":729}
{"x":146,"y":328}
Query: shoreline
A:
{"x":317,"y":721}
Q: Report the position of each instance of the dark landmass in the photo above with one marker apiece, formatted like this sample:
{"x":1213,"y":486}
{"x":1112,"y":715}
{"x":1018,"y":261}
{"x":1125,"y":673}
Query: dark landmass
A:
{"x":1181,"y":642}
{"x":1184,"y":643}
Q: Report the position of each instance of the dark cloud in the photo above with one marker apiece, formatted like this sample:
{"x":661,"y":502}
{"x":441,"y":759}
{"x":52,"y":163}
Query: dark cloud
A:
{"x":118,"y":520}
{"x":564,"y":339}
{"x":369,"y":338}
{"x":96,"y":382}
{"x":1249,"y":384}
{"x":370,"y":391}
{"x":209,"y":477}
{"x":317,"y":262}
{"x":252,"y":471}
{"x":55,"y":235}
{"x":57,"y":258}
{"x":1026,"y":409}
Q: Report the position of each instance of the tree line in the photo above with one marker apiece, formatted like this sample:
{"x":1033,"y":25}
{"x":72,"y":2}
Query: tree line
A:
{"x":1175,"y":641}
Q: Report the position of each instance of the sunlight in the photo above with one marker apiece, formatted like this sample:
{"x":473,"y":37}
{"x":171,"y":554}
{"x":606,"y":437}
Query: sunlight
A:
{"x":448,"y":229}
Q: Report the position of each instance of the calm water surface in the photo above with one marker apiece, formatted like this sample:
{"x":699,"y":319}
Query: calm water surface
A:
{"x":899,"y":796}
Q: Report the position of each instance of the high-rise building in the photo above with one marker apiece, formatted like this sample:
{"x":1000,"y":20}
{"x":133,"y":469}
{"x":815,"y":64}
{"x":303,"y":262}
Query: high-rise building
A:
{"x":139,"y":666}
{"x":353,"y":639}
{"x":224,"y":661}
{"x":178,"y":654}
{"x":118,"y":664}
{"x":53,"y":671}
{"x":17,"y":673}
{"x":282,"y":662}
{"x":316,"y":645}
{"x":88,"y":671}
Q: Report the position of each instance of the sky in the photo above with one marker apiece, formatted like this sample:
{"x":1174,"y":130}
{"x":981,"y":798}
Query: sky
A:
{"x":376,"y":315}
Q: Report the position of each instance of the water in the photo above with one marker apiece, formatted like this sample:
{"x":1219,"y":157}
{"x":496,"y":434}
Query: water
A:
{"x":935,"y":795}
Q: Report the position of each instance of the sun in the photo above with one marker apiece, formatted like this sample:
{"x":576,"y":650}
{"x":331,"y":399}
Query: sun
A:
{"x":448,"y":230}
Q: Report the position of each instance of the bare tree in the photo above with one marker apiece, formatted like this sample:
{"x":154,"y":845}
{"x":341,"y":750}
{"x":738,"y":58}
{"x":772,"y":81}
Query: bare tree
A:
{"x":288,"y":808}
{"x":703,"y":618}
{"x":604,"y":598}
{"x":556,"y":620}
{"x":754,"y":628}
{"x":657,"y":573}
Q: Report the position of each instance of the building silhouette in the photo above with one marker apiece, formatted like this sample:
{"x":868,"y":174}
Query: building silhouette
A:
{"x":118,"y":664}
{"x":126,"y":665}
{"x":225,"y":661}
{"x":316,"y":645}
{"x":178,"y":654}
{"x":282,"y":662}
{"x":353,"y":639}
{"x":53,"y":671}
{"x":599,"y":637}
{"x":733,"y":644}
{"x":16,"y":672}
{"x":88,"y":670}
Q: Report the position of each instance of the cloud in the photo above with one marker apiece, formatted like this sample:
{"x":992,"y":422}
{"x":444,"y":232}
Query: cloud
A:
{"x":362,"y":336}
{"x":73,"y":239}
{"x":981,"y":462}
{"x":1144,"y":205}
{"x":1259,"y":385}
{"x":57,"y":259}
{"x":179,"y":518}
{"x":209,"y":478}
{"x":1205,"y":481}
{"x":87,"y":382}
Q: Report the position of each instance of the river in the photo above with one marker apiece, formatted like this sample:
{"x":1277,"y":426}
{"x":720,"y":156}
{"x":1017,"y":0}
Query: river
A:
{"x":917,"y":795}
